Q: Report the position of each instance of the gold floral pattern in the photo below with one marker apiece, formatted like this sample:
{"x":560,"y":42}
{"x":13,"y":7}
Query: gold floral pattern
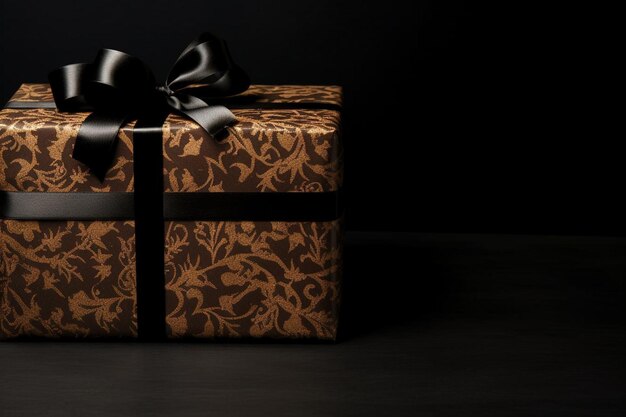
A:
{"x":259,"y":279}
{"x":223,"y":279}
{"x":67,"y":278}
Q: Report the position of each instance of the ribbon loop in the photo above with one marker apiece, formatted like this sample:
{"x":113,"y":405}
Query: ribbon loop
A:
{"x":120,"y":87}
{"x":68,"y":87}
{"x":119,"y":80}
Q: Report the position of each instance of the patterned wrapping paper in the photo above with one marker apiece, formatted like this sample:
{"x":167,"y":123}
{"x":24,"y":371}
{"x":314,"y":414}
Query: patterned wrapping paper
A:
{"x":223,"y":279}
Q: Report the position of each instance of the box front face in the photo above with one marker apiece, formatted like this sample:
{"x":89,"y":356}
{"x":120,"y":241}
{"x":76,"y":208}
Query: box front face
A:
{"x":223,"y":279}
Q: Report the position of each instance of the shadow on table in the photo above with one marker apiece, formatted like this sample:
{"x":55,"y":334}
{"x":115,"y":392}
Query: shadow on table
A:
{"x":388,"y":281}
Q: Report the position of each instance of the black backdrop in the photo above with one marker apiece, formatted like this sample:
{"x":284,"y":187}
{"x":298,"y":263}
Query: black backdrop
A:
{"x":473,"y":110}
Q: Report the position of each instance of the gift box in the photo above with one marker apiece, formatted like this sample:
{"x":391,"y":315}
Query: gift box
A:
{"x":251,"y":223}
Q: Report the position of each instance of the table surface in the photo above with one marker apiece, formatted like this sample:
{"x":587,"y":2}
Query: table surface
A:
{"x":432,"y":325}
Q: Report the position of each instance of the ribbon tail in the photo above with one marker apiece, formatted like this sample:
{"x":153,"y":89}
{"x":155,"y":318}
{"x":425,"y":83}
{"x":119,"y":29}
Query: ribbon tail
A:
{"x":96,"y":141}
{"x":212,"y":118}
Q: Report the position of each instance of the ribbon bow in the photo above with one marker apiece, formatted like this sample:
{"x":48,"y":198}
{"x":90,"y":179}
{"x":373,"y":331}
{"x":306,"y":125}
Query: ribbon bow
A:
{"x":118,"y":87}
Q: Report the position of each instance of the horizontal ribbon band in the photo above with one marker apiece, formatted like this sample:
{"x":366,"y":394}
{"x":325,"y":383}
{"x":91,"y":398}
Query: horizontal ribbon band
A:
{"x":16,"y":104}
{"x":219,"y":206}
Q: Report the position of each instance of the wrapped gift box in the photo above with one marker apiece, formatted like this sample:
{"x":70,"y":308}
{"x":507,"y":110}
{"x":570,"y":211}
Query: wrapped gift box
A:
{"x":73,"y":277}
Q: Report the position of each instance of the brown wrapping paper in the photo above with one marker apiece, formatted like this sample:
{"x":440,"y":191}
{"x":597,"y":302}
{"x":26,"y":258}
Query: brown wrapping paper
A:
{"x":223,"y":279}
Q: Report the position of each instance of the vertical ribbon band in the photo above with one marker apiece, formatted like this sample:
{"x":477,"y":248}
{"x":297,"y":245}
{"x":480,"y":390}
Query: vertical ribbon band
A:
{"x":149,"y":225}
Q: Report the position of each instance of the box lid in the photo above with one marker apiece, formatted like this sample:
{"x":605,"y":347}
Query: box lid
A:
{"x":281,"y":149}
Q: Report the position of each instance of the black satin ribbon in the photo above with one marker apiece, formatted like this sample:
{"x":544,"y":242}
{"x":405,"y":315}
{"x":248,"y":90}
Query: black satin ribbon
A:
{"x":182,"y":206}
{"x":117,"y":87}
{"x":149,"y":224}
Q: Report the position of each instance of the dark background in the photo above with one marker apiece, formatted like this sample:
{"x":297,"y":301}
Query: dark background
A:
{"x":506,"y":130}
{"x":500,"y":131}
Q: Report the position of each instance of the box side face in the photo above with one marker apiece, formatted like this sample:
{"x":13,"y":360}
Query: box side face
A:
{"x":223,"y":279}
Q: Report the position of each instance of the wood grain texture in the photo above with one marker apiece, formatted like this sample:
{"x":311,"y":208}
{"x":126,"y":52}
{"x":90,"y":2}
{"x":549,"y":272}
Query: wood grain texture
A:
{"x":432,"y":325}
